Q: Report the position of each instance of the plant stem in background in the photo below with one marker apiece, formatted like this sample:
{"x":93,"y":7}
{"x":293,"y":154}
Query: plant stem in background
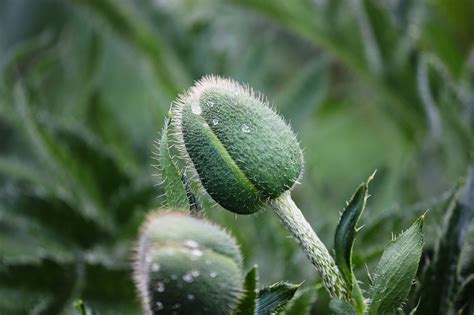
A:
{"x":292,"y":218}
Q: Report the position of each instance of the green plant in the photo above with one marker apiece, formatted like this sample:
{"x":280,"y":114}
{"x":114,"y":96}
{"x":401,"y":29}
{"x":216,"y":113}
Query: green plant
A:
{"x":247,"y":159}
{"x":366,"y":85}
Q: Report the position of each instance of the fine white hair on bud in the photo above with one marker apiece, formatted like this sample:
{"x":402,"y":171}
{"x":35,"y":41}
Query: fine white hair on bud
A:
{"x":243,"y":152}
{"x":185,"y":265}
{"x":247,"y":159}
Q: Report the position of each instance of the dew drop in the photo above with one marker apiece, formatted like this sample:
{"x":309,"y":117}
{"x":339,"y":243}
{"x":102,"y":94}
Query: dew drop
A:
{"x":188,"y":277}
{"x":210,"y":104}
{"x":213,"y":274}
{"x":195,"y":108}
{"x":160,"y":287}
{"x":245,"y":128}
{"x":176,"y":306}
{"x":174,"y":277}
{"x":148,"y":259}
{"x":159,"y":306}
{"x":155,"y":267}
{"x":215,"y":122}
{"x":190,"y":297}
{"x":196,"y":252}
{"x":195,"y":273}
{"x":192,"y":244}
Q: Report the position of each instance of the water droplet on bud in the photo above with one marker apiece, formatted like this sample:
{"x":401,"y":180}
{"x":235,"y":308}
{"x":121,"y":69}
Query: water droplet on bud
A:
{"x":155,"y":267}
{"x":195,"y":108}
{"x":188,"y":277}
{"x":160,"y":287}
{"x":192,"y":244}
{"x":159,"y":306}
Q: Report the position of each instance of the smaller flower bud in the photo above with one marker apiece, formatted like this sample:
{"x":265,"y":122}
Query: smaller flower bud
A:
{"x":186,"y":265}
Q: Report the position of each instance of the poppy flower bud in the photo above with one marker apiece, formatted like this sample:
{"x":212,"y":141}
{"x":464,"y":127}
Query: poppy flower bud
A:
{"x":243,"y":152}
{"x":186,"y":265}
{"x":247,"y":159}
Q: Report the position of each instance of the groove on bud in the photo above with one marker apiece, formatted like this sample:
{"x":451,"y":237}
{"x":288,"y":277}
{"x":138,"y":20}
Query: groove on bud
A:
{"x":186,"y":265}
{"x":243,"y":152}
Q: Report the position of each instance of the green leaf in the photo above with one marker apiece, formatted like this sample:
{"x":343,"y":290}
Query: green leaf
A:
{"x":396,"y":270}
{"x":344,"y":240}
{"x":346,"y":231}
{"x":275,"y":297}
{"x":301,"y":304}
{"x":174,"y":188}
{"x":122,"y":20}
{"x":248,"y":302}
{"x":61,"y":153}
{"x":440,"y":282}
{"x":341,"y":308}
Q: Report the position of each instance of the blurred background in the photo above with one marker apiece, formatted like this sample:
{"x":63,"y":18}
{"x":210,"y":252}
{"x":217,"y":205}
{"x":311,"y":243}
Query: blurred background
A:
{"x":85,"y":86}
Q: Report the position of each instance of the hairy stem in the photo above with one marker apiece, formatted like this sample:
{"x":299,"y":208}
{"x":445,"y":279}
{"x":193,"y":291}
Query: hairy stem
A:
{"x":290,"y":215}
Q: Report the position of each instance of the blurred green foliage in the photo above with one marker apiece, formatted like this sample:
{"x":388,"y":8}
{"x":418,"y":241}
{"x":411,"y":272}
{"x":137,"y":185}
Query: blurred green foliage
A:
{"x":85,"y":86}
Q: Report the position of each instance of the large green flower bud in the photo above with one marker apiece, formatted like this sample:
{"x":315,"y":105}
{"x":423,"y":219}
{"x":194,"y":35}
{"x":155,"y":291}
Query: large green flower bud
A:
{"x":247,"y":158}
{"x":243,"y":152}
{"x":186,"y":265}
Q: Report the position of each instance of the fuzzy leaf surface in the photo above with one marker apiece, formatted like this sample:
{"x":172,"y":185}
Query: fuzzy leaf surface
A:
{"x":275,"y":297}
{"x":346,"y":231}
{"x":441,"y":280}
{"x":340,"y":307}
{"x":249,"y":301}
{"x":173,"y":186}
{"x":396,"y":270}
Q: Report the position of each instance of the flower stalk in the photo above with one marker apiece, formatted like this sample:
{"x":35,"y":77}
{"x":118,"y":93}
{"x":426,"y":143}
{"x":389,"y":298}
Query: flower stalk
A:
{"x":292,"y":218}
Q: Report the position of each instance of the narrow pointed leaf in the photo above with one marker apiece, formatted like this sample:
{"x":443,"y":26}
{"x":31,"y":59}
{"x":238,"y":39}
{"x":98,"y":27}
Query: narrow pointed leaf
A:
{"x":175,"y":191}
{"x":346,"y":231}
{"x":62,"y":163}
{"x":273,"y":298}
{"x":249,"y":301}
{"x":396,"y":270}
{"x":441,"y":278}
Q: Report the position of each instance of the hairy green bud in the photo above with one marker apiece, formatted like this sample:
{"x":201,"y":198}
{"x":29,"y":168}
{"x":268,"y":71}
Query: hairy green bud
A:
{"x":243,"y":152}
{"x":247,"y":158}
{"x":186,"y":265}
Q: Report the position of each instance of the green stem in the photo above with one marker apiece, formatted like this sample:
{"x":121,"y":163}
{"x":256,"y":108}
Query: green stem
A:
{"x":358,"y":298}
{"x":292,"y":218}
